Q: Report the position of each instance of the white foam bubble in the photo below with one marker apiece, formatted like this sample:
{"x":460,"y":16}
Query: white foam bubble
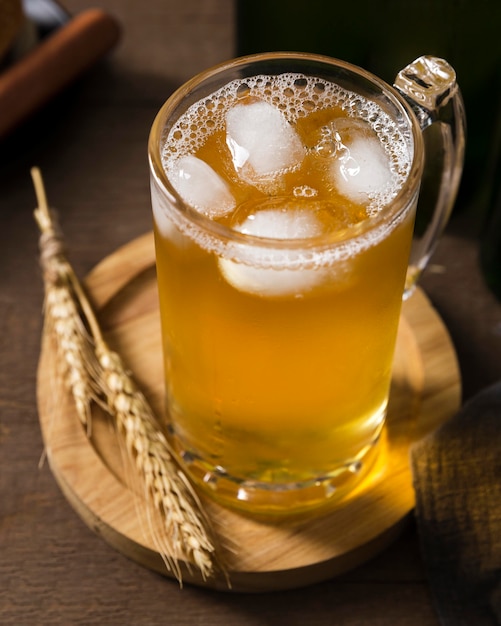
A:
{"x":262,"y":142}
{"x":275,"y":281}
{"x":363,"y":171}
{"x":200,"y":186}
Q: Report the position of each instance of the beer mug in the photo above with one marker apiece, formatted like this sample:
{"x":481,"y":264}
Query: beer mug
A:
{"x":284,"y":189}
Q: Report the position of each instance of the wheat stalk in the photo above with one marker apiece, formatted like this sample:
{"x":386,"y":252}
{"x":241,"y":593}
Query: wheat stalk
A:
{"x":95,"y":373}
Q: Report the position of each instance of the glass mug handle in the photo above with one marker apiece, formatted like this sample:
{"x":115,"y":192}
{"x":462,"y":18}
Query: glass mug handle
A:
{"x":429,"y":86}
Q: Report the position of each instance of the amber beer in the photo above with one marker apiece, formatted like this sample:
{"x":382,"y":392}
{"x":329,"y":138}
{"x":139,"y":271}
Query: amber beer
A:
{"x":281,"y":259}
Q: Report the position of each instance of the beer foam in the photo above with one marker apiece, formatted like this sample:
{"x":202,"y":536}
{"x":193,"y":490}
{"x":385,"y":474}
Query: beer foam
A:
{"x":295,"y":96}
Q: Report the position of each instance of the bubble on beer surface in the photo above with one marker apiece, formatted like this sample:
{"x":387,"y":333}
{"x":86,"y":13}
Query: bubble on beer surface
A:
{"x":284,"y":223}
{"x":200,"y":186}
{"x":305,"y":191}
{"x":262,"y":143}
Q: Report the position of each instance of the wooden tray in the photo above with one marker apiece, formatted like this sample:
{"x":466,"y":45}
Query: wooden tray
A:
{"x":261,"y":555}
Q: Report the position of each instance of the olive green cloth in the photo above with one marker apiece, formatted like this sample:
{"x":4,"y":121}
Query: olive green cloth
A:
{"x":457,"y":481}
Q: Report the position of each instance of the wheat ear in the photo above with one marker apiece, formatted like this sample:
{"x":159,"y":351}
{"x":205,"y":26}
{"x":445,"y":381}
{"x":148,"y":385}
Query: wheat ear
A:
{"x":76,"y":362}
{"x":94,"y":372}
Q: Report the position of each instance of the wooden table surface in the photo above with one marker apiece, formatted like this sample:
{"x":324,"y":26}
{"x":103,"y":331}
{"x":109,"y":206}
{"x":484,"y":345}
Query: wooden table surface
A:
{"x":91,"y":147}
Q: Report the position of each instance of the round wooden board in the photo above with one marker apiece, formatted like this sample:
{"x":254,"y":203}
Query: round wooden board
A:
{"x":261,"y":555}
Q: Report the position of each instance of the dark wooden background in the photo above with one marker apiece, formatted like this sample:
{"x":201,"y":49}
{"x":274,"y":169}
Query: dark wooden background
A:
{"x":91,"y":146}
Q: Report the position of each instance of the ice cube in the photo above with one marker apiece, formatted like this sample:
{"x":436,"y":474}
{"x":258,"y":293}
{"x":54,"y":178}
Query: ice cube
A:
{"x":286,"y":222}
{"x":361,"y":169}
{"x":275,"y":280}
{"x":262,"y":142}
{"x":200,"y":186}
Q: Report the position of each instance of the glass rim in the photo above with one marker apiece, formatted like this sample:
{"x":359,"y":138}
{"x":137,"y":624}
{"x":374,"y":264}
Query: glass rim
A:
{"x":391,"y":211}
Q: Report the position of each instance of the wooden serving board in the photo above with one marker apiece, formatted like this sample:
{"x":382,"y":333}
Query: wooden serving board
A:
{"x":261,"y":555}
